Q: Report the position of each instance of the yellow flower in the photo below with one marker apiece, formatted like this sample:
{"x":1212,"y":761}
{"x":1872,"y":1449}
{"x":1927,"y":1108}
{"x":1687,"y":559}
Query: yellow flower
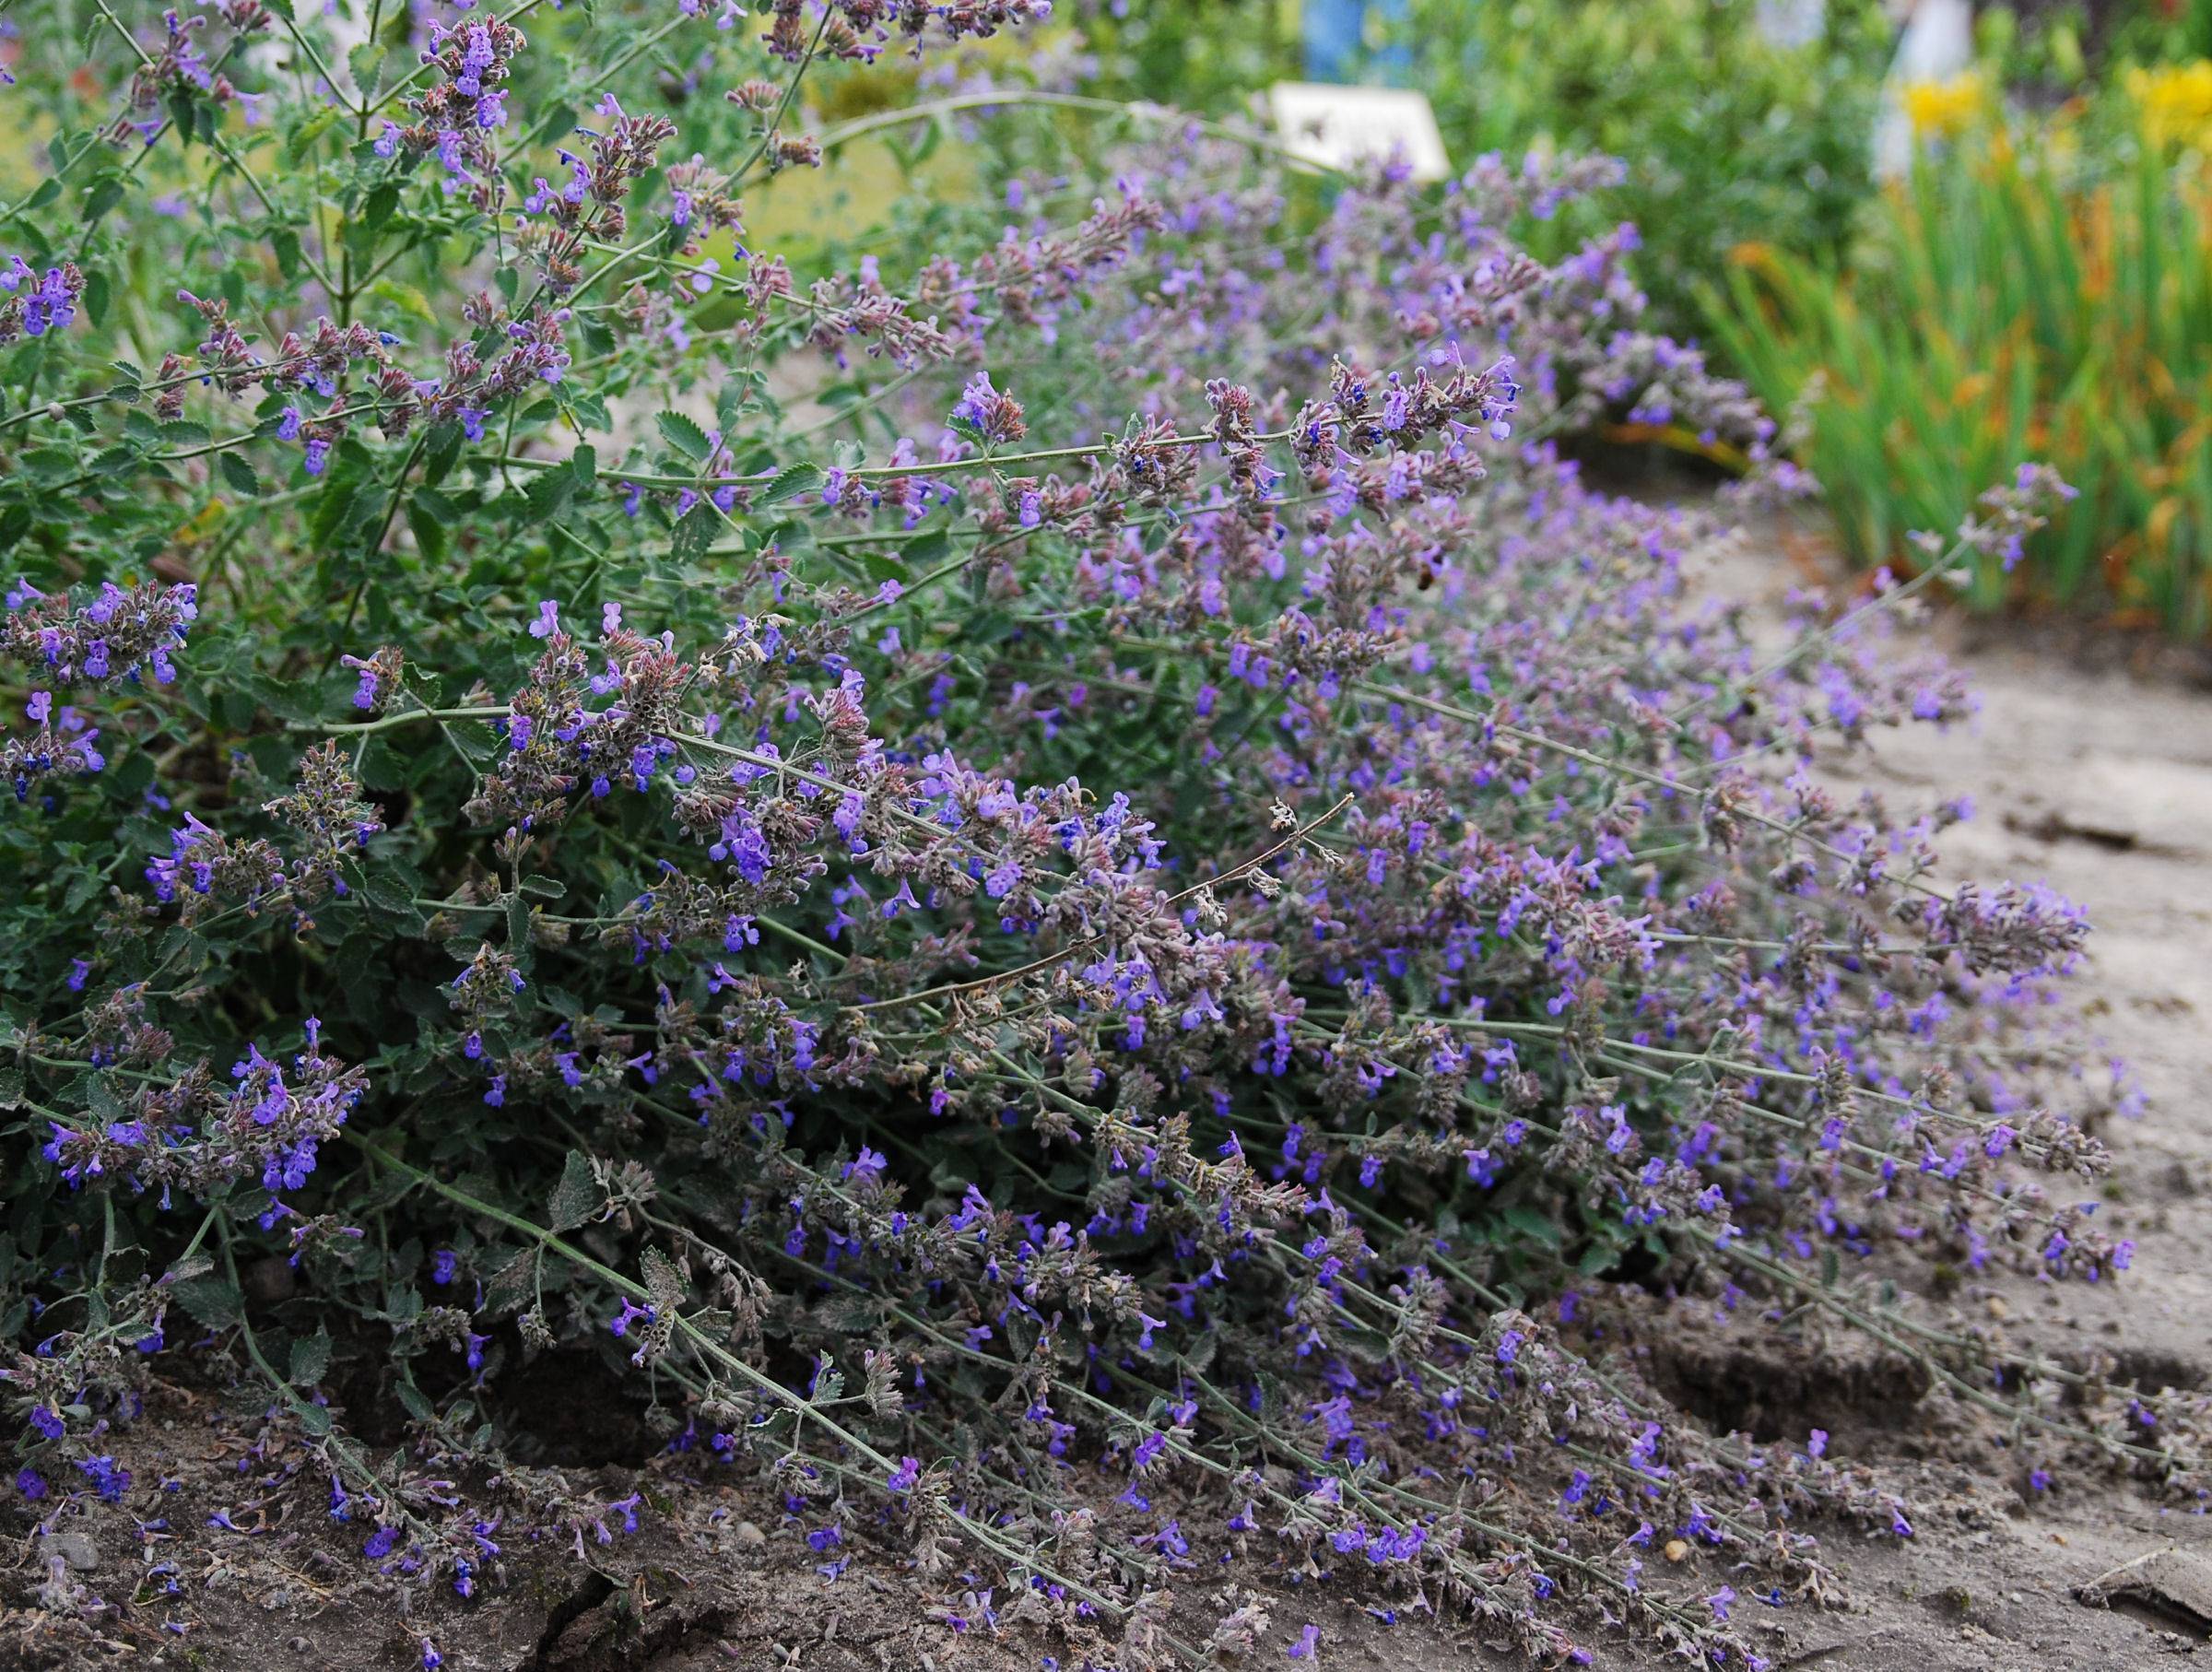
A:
{"x":1944,"y":110}
{"x":2176,"y":102}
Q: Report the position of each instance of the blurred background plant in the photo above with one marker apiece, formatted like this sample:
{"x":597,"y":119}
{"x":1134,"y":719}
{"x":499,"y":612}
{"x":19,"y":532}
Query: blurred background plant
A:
{"x":1727,"y":134}
{"x":2043,"y":285}
{"x":2037,"y":281}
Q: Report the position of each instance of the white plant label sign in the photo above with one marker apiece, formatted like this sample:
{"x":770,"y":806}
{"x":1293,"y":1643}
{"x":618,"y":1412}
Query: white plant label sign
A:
{"x":1341,"y":125}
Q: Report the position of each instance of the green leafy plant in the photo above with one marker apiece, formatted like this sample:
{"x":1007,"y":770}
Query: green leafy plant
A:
{"x":1726,"y":137}
{"x":2010,"y":301}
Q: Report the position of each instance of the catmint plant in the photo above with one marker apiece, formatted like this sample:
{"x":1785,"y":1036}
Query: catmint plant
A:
{"x":1071,"y":828}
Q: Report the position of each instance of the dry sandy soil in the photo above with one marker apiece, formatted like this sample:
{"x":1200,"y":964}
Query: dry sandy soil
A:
{"x":2090,"y":770}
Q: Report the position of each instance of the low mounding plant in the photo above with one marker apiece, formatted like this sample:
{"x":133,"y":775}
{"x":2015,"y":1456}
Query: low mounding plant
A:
{"x":1060,"y":883}
{"x":2013,"y":299}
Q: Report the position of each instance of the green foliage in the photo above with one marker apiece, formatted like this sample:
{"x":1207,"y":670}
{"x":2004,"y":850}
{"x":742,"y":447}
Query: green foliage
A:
{"x":2006,"y":306}
{"x":1726,"y":137}
{"x":1198,"y":54}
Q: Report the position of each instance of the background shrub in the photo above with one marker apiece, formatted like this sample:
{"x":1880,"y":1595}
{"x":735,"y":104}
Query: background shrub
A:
{"x":2017,"y":297}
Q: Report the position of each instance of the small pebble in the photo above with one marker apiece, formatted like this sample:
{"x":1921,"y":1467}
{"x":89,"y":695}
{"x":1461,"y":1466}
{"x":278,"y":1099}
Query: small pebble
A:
{"x":74,"y":1547}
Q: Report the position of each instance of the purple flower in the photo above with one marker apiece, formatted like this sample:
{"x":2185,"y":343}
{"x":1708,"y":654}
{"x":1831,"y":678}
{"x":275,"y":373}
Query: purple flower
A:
{"x":109,"y":1479}
{"x":989,"y":415}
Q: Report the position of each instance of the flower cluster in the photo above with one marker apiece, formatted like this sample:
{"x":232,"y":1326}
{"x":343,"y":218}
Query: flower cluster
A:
{"x":466,"y":103}
{"x":64,"y":743}
{"x":120,"y":633}
{"x":32,"y":303}
{"x":588,"y":206}
{"x":178,"y":70}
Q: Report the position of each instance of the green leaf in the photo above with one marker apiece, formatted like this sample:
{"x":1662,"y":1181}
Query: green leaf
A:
{"x":429,"y":528}
{"x":99,"y":1097}
{"x":684,"y":435}
{"x":330,"y":510}
{"x":518,"y":931}
{"x":549,"y":493}
{"x":693,"y":534}
{"x":664,"y":1282}
{"x":287,"y":699}
{"x":589,"y":411}
{"x":105,"y":194}
{"x":382,"y":200}
{"x":311,"y":1359}
{"x":577,"y":1198}
{"x":381,"y":768}
{"x":214,"y":1302}
{"x":239,"y":474}
{"x":183,"y":112}
{"x":512,"y":1287}
{"x":366,"y":63}
{"x":441,"y":452}
{"x":304,"y":136}
{"x":392,"y":900}
{"x":1539,"y":1227}
{"x":789,"y":482}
